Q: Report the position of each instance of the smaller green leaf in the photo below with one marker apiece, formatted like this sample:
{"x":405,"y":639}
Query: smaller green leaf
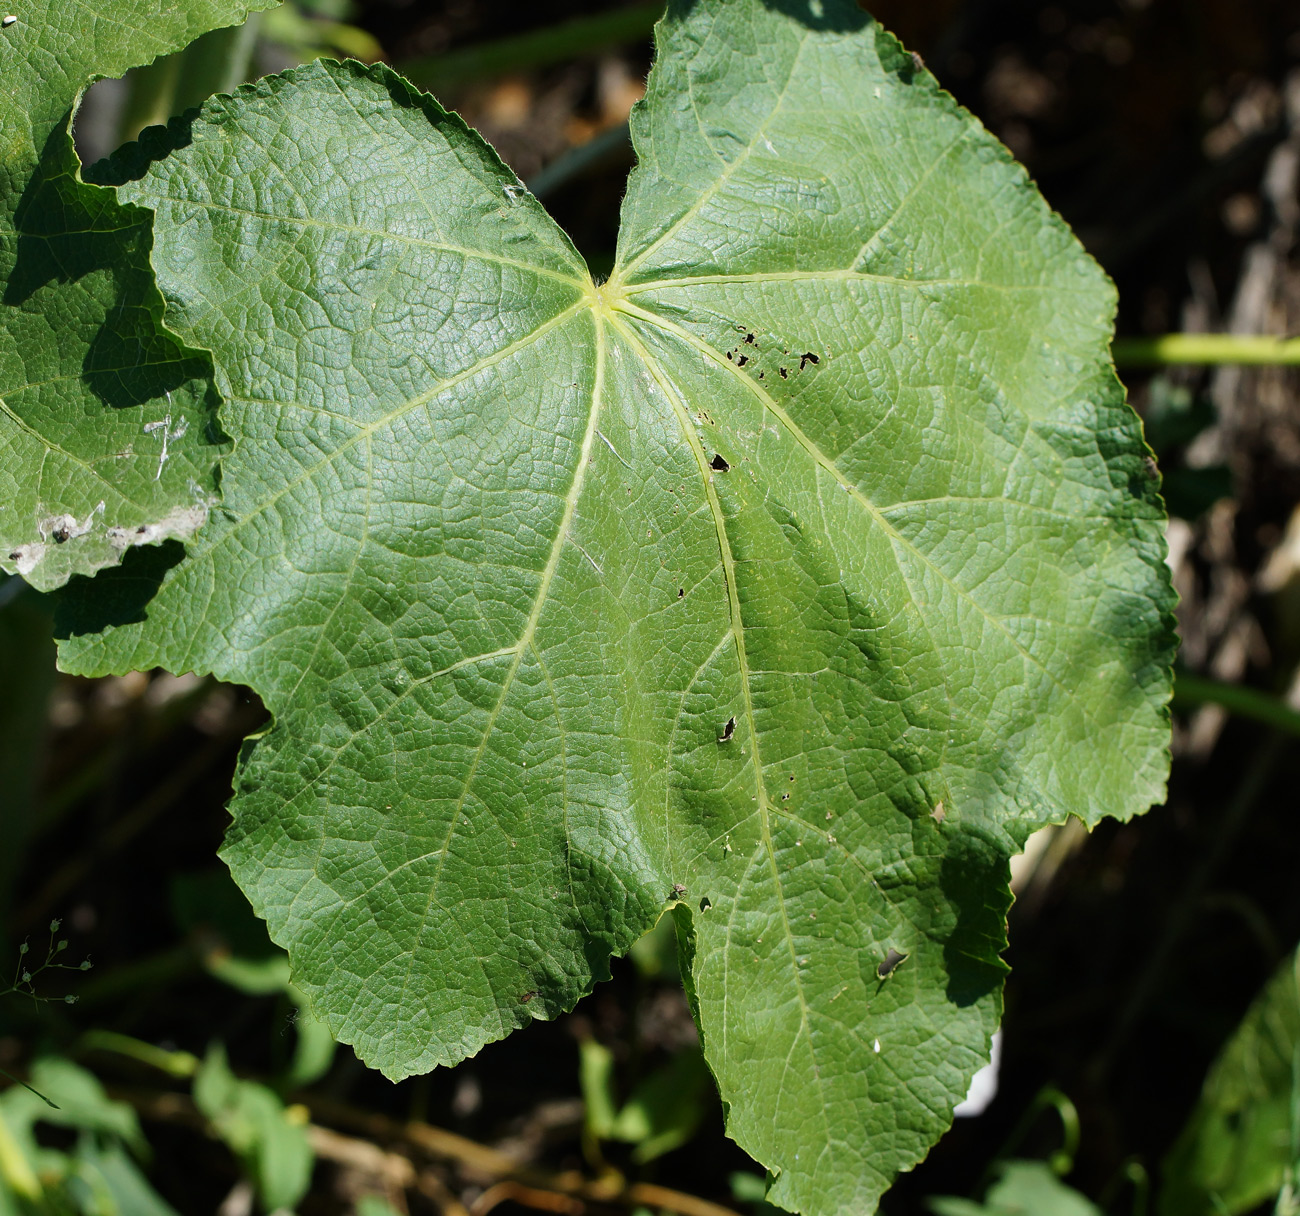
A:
{"x":664,"y":1110}
{"x":1244,"y":1134}
{"x":79,"y":1102}
{"x":270,"y":1142}
{"x":1023,"y":1188}
{"x":115,"y":1182}
{"x":596,"y":1078}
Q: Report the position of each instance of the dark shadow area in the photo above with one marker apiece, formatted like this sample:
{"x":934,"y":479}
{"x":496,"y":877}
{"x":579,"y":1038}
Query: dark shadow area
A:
{"x":71,"y":233}
{"x":974,"y":875}
{"x":119,"y":595}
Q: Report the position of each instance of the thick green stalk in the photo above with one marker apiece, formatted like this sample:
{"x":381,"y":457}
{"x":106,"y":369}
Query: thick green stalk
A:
{"x":1254,"y":349}
{"x":175,"y":1063}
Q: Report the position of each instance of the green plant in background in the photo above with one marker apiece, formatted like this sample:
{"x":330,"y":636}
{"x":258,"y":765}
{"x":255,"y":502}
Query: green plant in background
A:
{"x":99,"y":1175}
{"x":1241,"y":1145}
{"x":788,"y":579}
{"x":270,"y":1140}
{"x":661,"y":1112}
{"x":1022,"y":1188}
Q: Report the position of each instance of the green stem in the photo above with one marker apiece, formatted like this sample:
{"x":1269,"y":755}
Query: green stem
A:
{"x":1253,"y":349}
{"x":174,"y":1063}
{"x":1062,"y":1160}
{"x":537,"y":49}
{"x":1191,"y":691}
{"x":576,"y":161}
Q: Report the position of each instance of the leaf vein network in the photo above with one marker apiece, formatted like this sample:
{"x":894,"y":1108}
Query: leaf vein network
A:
{"x":621,"y":273}
{"x":530,"y":626}
{"x":366,"y":430}
{"x":738,"y":633}
{"x":897,"y":540}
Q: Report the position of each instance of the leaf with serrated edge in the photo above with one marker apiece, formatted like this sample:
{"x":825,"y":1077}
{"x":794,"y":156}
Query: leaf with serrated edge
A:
{"x":105,"y":420}
{"x":704,"y":587}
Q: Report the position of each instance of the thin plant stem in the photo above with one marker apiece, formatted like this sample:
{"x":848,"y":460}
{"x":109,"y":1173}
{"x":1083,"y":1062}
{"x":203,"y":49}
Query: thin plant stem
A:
{"x":1191,"y":691}
{"x":536,"y":49}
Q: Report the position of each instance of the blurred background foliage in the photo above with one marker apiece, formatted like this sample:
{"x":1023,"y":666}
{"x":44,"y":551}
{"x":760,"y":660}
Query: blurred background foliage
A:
{"x":1150,"y":1054}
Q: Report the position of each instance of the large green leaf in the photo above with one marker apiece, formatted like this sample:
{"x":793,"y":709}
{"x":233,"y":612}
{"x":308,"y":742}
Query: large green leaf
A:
{"x":789,"y":578}
{"x":105,"y":421}
{"x":1242,"y":1141}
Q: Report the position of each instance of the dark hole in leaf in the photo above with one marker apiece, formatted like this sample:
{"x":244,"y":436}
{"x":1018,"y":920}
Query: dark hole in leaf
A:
{"x":742,"y":360}
{"x":705,"y":904}
{"x":806,"y":358}
{"x":785,"y":375}
{"x":891,"y":961}
{"x":728,"y":730}
{"x":719,"y":463}
{"x":750,"y":339}
{"x":681,"y":591}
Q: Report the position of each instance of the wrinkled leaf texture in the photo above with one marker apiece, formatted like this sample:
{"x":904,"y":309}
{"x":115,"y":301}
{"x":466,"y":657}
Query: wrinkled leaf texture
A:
{"x":105,"y":420}
{"x":786,"y":579}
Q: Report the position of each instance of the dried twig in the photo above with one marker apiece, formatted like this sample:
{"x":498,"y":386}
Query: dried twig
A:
{"x":490,"y":1165}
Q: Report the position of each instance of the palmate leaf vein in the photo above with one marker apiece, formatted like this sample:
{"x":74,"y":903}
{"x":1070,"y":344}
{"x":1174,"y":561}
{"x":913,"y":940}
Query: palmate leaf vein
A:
{"x":896,"y":538}
{"x":672,"y":741}
{"x":525,"y":639}
{"x":834,"y":275}
{"x":710,"y":192}
{"x":911,"y":193}
{"x":368,"y":429}
{"x":671,"y":392}
{"x":399,"y":238}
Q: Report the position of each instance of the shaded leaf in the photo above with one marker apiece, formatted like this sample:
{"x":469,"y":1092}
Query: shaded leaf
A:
{"x":1023,"y":1188}
{"x":1243,"y":1138}
{"x":106,"y":438}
